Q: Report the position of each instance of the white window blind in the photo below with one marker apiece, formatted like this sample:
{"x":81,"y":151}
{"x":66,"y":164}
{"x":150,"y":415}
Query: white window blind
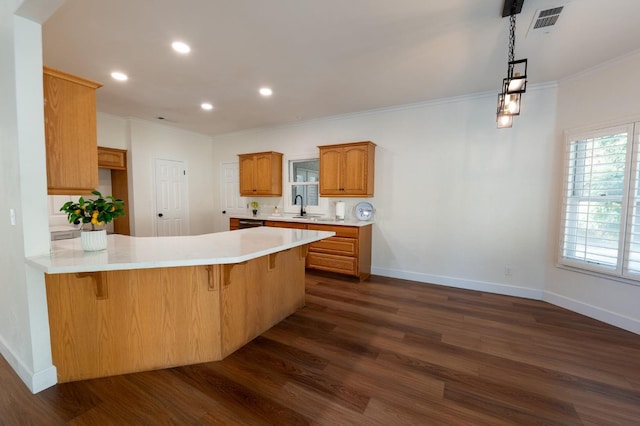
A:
{"x":601,"y":203}
{"x":632,"y":249}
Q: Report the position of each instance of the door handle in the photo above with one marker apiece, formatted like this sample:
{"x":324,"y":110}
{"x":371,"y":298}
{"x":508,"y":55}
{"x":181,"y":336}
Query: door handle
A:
{"x":160,"y":215}
{"x":224,"y":212}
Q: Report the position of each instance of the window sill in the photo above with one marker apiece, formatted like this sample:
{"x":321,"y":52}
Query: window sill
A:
{"x":602,"y":275}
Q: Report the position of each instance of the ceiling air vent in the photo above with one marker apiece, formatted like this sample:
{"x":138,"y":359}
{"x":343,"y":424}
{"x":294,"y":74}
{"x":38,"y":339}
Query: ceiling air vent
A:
{"x":545,"y":20}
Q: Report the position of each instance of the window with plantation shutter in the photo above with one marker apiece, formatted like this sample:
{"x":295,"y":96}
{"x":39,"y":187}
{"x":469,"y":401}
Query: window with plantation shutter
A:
{"x":601,"y":202}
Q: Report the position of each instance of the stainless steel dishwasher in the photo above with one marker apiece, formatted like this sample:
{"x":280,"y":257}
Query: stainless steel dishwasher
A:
{"x":250,"y":223}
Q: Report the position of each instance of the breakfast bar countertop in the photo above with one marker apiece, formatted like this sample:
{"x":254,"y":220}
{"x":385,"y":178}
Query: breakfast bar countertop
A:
{"x":125,"y":252}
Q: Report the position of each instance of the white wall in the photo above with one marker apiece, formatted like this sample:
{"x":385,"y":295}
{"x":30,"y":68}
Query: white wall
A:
{"x":605,"y":95}
{"x":456,"y":199}
{"x":24,"y":329}
{"x":113,"y":131}
{"x":149,"y":141}
{"x":145,"y":141}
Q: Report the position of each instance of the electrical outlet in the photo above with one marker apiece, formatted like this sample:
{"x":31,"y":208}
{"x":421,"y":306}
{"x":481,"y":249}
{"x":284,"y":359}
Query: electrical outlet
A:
{"x":12,"y":215}
{"x":508,"y":271}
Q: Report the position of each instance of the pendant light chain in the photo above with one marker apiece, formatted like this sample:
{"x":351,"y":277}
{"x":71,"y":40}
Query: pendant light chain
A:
{"x":512,"y":35}
{"x":515,"y":84}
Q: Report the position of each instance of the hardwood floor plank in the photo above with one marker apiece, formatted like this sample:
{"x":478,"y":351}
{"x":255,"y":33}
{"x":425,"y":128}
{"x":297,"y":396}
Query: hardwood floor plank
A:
{"x":243,"y":401}
{"x":331,"y":388}
{"x":380,"y":352}
{"x":437,"y":414}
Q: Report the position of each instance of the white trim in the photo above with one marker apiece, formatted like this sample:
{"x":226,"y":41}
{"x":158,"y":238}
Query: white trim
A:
{"x":37,"y":381}
{"x":600,"y":314}
{"x":601,"y":67}
{"x":612,"y":318}
{"x":488,"y":287}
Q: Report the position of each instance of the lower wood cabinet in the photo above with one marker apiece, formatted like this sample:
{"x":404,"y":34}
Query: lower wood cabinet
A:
{"x":348,"y":252}
{"x":117,"y":322}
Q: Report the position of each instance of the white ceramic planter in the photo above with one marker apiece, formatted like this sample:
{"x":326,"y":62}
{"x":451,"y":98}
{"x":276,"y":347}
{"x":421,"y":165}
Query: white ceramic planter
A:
{"x":94,"y":240}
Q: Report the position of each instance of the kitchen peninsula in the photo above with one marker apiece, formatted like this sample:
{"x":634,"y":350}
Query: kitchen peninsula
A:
{"x":150,"y":303}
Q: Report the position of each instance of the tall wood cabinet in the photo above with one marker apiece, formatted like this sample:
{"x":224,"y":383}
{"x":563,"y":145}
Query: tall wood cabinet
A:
{"x":116,"y":161}
{"x":261,"y":174}
{"x":347,"y":170}
{"x":70,"y":133}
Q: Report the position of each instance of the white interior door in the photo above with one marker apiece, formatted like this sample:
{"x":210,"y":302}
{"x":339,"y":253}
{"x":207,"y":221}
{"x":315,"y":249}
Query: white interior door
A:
{"x":171,"y":212}
{"x":230,"y":200}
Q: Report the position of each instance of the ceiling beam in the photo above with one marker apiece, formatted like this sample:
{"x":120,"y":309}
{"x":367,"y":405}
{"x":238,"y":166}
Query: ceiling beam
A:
{"x":508,"y":4}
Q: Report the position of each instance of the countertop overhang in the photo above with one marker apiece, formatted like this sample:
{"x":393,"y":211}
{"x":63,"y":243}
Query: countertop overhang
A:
{"x":126,"y":253}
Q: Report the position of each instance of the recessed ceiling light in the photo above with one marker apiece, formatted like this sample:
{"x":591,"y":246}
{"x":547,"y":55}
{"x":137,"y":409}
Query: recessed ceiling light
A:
{"x":180,"y":47}
{"x":206,"y":106}
{"x":265,"y":91}
{"x":120,"y":76}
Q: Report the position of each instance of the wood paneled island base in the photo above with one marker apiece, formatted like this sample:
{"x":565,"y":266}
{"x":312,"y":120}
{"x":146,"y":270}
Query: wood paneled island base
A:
{"x":113,"y":322}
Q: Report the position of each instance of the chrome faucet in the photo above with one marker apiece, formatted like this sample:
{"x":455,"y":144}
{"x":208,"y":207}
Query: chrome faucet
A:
{"x":295,"y":202}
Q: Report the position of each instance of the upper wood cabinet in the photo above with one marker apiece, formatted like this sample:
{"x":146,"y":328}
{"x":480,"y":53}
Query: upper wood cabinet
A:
{"x":347,"y":170}
{"x":261,"y":174}
{"x":70,"y":133}
{"x":112,"y":158}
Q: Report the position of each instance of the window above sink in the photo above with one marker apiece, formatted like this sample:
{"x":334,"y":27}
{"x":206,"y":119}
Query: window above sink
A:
{"x":303,"y":178}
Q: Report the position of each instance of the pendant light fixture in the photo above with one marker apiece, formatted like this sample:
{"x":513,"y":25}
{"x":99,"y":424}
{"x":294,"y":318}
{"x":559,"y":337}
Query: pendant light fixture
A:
{"x":515,"y":84}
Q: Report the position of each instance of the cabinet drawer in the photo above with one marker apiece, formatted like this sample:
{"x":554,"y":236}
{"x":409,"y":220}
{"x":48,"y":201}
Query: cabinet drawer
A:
{"x":341,"y":231}
{"x":336,"y":245}
{"x":332,"y":263}
{"x":278,"y":224}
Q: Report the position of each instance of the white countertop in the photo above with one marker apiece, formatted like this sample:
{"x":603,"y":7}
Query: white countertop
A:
{"x":318,"y":220}
{"x":124,"y":252}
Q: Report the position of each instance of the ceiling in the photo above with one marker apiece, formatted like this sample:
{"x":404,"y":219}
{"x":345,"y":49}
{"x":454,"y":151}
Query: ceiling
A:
{"x":320,"y":57}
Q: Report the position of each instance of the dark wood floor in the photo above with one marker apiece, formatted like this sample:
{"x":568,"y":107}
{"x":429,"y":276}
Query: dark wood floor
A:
{"x":383,"y":352}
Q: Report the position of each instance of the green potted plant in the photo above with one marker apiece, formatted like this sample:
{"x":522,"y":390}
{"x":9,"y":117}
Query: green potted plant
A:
{"x":93,"y":214}
{"x":254,"y":207}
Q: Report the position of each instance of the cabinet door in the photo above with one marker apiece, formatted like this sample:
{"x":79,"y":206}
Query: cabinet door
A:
{"x":111,"y":158}
{"x":263,"y":175}
{"x":247,"y":175}
{"x":331,"y":171}
{"x":354,"y":176}
{"x":70,"y":133}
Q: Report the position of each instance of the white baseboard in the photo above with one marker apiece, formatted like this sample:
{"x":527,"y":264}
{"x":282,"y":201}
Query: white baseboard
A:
{"x":507,"y":290}
{"x":612,"y":318}
{"x":37,"y":381}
